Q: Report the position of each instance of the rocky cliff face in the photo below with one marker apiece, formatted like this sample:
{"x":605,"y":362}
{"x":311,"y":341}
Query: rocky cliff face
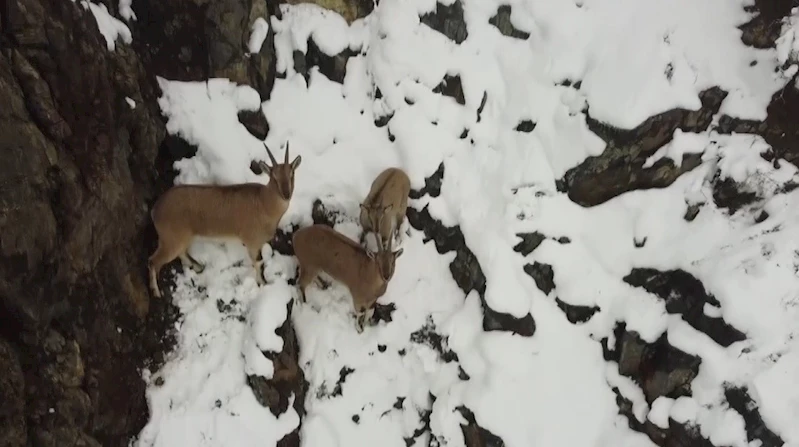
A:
{"x":79,"y":168}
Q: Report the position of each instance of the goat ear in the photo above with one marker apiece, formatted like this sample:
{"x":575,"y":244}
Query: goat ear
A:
{"x":398,"y":253}
{"x":265,"y":168}
{"x":370,"y":253}
{"x":296,"y":163}
{"x":388,"y":207}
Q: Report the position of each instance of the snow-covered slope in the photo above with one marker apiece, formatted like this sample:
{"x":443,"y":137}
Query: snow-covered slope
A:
{"x":400,"y":383}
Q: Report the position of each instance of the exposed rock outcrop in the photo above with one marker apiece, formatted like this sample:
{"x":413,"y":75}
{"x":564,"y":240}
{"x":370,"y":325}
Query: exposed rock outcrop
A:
{"x":288,"y":379}
{"x":619,"y":168}
{"x":78,"y":172}
{"x":465,"y":268}
{"x":197,"y":40}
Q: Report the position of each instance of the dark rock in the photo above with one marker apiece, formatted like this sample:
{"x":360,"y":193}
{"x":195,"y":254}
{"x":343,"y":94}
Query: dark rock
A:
{"x":12,"y":395}
{"x":383,"y":312}
{"x":576,"y":314}
{"x":382,"y":121}
{"x":209,"y":39}
{"x":756,"y":429}
{"x":448,"y":20}
{"x":281,"y":243}
{"x":324,"y":216}
{"x":543,"y":276}
{"x":529,"y":242}
{"x":525,"y":126}
{"x":502,"y":21}
{"x":482,"y":106}
{"x":333,"y":67}
{"x":78,"y":173}
{"x":287,"y":380}
{"x":730,"y":195}
{"x":356,"y":418}
{"x":432,"y":185}
{"x":765,"y":28}
{"x":466,"y":271}
{"x":255,"y":122}
{"x":424,"y":420}
{"x":780,"y":129}
{"x":476,"y":436}
{"x":428,"y":336}
{"x":451,"y":86}
{"x":692,"y":211}
{"x":676,"y":435}
{"x":619,"y":168}
{"x":685,"y":295}
{"x":342,"y":377}
{"x":659,"y":368}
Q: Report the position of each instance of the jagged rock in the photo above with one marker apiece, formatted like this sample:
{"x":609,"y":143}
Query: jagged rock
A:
{"x":780,"y":129}
{"x":432,"y":184}
{"x":448,"y":20}
{"x":351,"y":10}
{"x":77,"y":173}
{"x":756,"y":429}
{"x":526,"y":126}
{"x":288,"y":379}
{"x":619,"y":168}
{"x":764,"y":29}
{"x":255,"y":122}
{"x":529,"y":242}
{"x":502,"y":21}
{"x":476,"y":436}
{"x":333,"y":67}
{"x":543,"y":275}
{"x":732,"y":196}
{"x":466,"y":271}
{"x":428,"y":336}
{"x":676,"y":435}
{"x":685,"y":295}
{"x":659,"y":368}
{"x":208,"y":38}
{"x":12,"y":396}
{"x":576,"y":314}
{"x":451,"y":86}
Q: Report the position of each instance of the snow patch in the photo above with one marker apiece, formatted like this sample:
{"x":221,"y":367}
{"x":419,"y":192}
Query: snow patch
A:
{"x":258,"y":32}
{"x":110,"y":27}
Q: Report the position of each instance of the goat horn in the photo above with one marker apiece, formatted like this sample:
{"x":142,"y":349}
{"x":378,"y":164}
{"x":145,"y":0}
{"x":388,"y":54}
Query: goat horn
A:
{"x":271,"y":157}
{"x":287,"y":153}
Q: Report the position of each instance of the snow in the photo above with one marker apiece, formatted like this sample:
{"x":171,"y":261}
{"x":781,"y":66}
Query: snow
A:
{"x":788,"y":42}
{"x":126,"y":11}
{"x":110,"y":27}
{"x":258,"y":33}
{"x":498,"y":182}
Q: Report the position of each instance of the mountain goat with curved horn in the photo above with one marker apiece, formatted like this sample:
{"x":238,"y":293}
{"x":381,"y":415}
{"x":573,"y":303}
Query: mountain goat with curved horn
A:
{"x":319,"y":248}
{"x":248,"y":212}
{"x":387,"y":199}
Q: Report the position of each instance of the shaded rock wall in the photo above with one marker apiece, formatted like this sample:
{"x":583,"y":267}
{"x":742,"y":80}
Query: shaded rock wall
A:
{"x":76,"y":169}
{"x":79,"y":168}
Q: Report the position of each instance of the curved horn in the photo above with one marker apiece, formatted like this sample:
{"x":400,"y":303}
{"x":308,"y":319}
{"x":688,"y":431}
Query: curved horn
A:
{"x":271,"y":157}
{"x":287,"y":153}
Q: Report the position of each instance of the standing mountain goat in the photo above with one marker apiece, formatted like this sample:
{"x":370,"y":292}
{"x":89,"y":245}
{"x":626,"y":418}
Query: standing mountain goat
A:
{"x":388,"y":197}
{"x":249,"y":212}
{"x":320,"y":248}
